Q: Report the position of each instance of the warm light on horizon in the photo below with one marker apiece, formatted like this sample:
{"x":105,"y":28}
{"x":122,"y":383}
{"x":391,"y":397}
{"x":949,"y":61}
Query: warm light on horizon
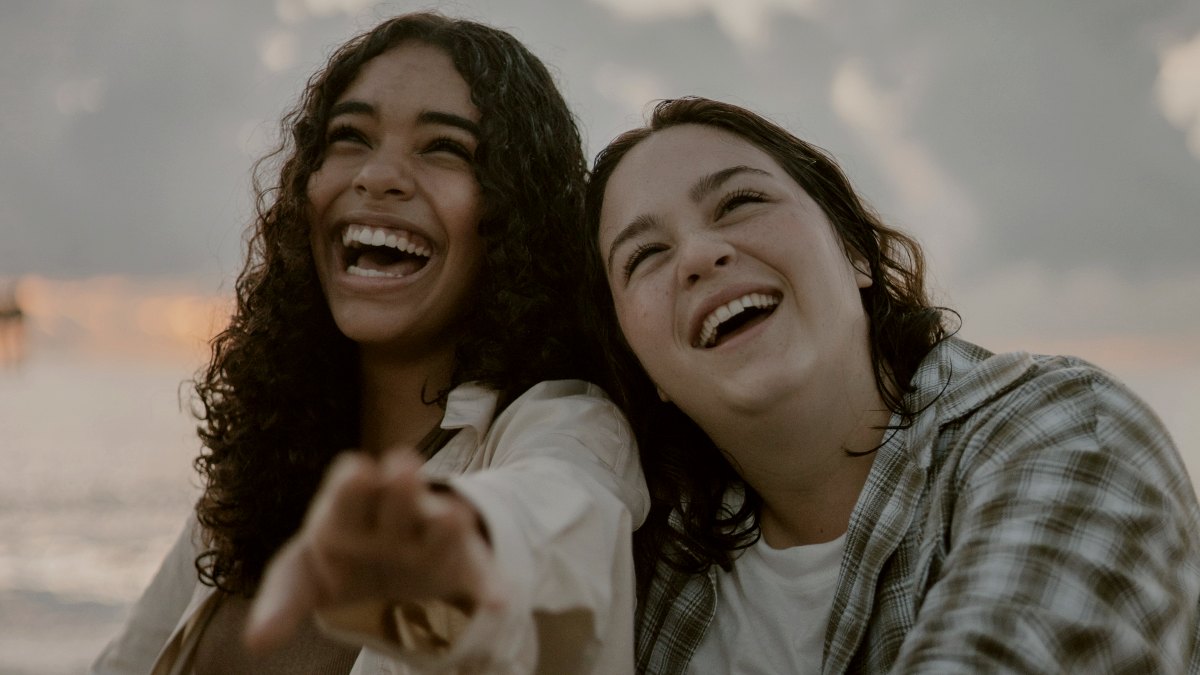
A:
{"x":121,"y":316}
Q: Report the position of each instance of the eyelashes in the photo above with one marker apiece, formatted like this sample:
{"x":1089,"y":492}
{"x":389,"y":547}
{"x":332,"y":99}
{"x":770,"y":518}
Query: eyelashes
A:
{"x":447,"y":144}
{"x":639,"y":254}
{"x":350,"y":134}
{"x":729,"y":202}
{"x":344,"y":132}
{"x":737,"y":198}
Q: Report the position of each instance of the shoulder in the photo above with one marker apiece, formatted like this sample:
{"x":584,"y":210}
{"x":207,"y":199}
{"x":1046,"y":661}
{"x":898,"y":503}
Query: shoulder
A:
{"x":564,"y":413}
{"x":564,"y":389}
{"x":1053,"y":396}
{"x":554,"y":403}
{"x":1010,"y":416}
{"x":566,"y":404}
{"x":962,"y":382}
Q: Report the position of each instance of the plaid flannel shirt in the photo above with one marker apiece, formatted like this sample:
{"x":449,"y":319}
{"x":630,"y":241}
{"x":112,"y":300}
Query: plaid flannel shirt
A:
{"x":1035,"y":518}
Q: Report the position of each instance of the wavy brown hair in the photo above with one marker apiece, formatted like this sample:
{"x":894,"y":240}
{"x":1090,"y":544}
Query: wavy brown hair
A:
{"x":280,"y":396}
{"x":688,"y":526}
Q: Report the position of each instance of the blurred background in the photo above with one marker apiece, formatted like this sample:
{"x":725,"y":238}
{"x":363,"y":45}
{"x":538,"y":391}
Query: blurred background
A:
{"x":1047,"y":154}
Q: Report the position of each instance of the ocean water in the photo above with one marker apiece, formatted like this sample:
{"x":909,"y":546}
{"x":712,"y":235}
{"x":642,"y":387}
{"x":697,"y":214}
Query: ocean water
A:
{"x":96,"y":449}
{"x":96,"y":482}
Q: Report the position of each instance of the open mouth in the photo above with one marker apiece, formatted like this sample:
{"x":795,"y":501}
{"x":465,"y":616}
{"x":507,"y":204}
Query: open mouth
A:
{"x":735,"y":316}
{"x":382,"y":252}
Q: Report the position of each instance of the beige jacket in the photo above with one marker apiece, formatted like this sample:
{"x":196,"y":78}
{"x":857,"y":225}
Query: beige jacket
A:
{"x":558,"y":483}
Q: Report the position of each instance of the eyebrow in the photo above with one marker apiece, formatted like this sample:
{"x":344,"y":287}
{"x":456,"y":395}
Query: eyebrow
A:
{"x":634,"y":229}
{"x":699,"y":190}
{"x":450,"y":119}
{"x":351,"y":108}
{"x":355,"y":107}
{"x":703,"y":187}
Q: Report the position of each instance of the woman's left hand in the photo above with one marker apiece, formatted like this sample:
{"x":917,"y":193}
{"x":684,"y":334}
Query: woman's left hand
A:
{"x":376,"y":530}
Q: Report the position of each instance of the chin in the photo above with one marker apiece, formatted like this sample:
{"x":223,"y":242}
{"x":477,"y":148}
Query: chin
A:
{"x":753,"y":396}
{"x":366,"y":332}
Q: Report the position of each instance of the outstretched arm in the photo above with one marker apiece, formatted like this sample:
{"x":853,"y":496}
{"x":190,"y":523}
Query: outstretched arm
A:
{"x":376,"y":530}
{"x":523,"y":562}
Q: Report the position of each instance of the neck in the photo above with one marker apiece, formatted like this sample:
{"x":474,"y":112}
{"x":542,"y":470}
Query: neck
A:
{"x":398,"y":407}
{"x":799,"y":456}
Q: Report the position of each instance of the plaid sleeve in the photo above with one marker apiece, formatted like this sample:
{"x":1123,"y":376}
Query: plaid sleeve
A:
{"x":1073,"y":541}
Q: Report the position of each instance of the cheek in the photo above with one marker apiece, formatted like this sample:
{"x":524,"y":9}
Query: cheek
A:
{"x":319,"y":191}
{"x":646,"y":327}
{"x":458,"y":200}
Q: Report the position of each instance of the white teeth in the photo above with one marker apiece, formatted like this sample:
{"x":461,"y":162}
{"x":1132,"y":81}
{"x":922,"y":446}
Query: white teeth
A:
{"x":362,"y":235}
{"x":364,"y":272}
{"x":708,"y":329}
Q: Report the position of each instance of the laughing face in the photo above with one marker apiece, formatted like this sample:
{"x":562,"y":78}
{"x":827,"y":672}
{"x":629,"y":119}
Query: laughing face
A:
{"x":729,"y":282}
{"x":396,"y":204}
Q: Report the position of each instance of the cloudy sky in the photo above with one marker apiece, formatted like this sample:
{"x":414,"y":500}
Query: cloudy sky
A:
{"x":1047,"y":153}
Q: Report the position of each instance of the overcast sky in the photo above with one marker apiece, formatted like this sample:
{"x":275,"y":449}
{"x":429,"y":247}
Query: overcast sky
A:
{"x":1047,"y":153}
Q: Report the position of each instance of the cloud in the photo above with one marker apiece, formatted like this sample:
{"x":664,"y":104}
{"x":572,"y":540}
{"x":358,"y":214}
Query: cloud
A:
{"x":278,"y":50}
{"x":932,"y":204}
{"x":747,"y":22}
{"x":1031,"y":301}
{"x":80,"y":96}
{"x":295,"y":11}
{"x":630,"y":88}
{"x":1178,"y":89}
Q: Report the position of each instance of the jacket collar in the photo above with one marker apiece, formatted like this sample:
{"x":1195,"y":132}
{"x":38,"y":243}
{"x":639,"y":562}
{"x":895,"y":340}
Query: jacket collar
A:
{"x":471,"y":405}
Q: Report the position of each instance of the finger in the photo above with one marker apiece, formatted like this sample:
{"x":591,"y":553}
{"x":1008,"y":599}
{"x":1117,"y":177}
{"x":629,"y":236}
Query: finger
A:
{"x":452,"y":556}
{"x":345,"y":507}
{"x":290,"y":591}
{"x":396,"y":463}
{"x":402,"y":487}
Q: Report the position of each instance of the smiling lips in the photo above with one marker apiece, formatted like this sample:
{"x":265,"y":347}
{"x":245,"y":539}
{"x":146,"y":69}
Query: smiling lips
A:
{"x":733,"y":315}
{"x":383,"y":252}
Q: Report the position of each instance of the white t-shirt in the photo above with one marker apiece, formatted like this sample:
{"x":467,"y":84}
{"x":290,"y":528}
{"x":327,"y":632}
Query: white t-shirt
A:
{"x":772,"y":610}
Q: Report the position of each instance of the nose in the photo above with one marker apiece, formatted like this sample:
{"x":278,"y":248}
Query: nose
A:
{"x":385,"y":174}
{"x":701,"y":255}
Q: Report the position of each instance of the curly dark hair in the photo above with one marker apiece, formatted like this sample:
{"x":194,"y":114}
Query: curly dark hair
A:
{"x":281,"y":394}
{"x":688,"y":475}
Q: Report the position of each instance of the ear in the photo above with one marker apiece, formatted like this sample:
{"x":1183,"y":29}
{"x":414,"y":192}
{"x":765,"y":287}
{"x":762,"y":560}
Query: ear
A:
{"x":662,"y":395}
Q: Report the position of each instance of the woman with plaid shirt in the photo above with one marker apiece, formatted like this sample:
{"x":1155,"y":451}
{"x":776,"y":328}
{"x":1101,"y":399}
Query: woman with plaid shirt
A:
{"x":839,"y":484}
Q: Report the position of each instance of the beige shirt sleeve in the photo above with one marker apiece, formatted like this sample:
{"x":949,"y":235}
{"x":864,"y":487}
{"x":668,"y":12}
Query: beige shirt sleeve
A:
{"x":557,"y":482}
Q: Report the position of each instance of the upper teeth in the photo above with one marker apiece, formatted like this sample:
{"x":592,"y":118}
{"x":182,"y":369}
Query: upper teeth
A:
{"x":377,"y":236}
{"x":708,"y":330}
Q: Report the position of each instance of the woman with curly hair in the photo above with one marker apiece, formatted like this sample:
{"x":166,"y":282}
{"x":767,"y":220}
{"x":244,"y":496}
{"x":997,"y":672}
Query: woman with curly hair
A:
{"x":409,"y":293}
{"x":840,"y":485}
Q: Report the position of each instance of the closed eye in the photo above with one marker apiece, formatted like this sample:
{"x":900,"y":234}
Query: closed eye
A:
{"x":639,"y":255}
{"x":449,"y":145}
{"x":738,"y":198}
{"x":345,"y":133}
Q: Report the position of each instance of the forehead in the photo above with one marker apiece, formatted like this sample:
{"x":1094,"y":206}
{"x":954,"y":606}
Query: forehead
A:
{"x":670,"y":161}
{"x":661,"y":170}
{"x":690,"y":150}
{"x":414,"y":72}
